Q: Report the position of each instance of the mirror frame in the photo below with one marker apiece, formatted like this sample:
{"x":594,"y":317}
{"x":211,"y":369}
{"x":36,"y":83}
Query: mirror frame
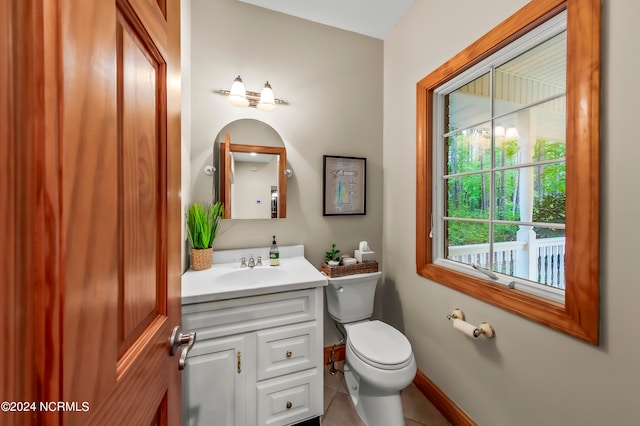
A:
{"x":225,"y":194}
{"x":579,"y":315}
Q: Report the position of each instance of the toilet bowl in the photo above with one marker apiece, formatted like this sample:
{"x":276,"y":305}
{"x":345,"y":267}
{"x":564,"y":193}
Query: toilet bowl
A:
{"x":379,"y":360}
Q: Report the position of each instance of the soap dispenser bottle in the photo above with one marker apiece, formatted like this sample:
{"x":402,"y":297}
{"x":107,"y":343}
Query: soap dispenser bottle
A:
{"x":274,"y":253}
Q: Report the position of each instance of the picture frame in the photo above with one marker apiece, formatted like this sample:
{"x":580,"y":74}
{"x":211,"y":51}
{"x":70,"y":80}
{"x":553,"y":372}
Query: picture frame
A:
{"x":344,"y":185}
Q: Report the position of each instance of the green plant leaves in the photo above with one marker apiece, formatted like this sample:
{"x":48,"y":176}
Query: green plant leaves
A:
{"x":332,"y":254}
{"x":202,"y":224}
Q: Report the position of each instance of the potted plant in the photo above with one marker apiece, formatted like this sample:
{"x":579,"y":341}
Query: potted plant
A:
{"x":202,"y":225}
{"x":331,"y":256}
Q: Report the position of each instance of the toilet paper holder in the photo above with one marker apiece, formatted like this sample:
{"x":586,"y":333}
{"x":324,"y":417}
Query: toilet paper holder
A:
{"x":483,"y":329}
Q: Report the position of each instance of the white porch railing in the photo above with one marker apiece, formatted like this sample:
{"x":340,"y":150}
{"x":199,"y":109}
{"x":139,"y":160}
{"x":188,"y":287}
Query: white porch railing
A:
{"x":546,"y":265}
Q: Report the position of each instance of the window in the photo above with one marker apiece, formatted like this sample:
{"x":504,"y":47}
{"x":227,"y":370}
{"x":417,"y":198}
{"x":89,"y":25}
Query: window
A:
{"x":499,"y":199}
{"x":508,"y":167}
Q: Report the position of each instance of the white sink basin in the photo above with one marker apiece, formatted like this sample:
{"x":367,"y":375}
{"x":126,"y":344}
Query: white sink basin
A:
{"x":260,"y":275}
{"x":229,"y":280}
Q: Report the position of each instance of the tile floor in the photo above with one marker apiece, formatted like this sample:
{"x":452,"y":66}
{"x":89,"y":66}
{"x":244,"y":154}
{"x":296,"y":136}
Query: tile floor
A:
{"x":339,"y":410}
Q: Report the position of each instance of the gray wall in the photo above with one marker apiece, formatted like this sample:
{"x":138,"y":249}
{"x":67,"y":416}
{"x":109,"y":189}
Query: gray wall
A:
{"x":529,"y":374}
{"x":333,"y":82}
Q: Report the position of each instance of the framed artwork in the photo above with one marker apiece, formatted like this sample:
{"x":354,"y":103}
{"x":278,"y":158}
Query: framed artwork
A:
{"x":344,"y":185}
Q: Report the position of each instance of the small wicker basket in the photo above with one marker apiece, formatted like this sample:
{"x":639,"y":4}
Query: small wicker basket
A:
{"x":201,"y":259}
{"x":341,"y":271}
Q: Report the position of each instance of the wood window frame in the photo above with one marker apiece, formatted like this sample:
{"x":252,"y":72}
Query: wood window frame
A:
{"x":579,"y":315}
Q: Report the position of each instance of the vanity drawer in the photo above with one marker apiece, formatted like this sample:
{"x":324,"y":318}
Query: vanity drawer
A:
{"x":288,"y":349}
{"x":289,"y":399}
{"x":234,"y":316}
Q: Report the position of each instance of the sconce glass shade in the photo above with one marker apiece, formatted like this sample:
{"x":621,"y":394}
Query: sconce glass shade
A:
{"x":238,"y":95}
{"x":267,"y":100}
{"x":499,"y":132}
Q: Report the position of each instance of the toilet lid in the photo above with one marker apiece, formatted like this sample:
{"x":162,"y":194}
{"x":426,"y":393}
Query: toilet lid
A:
{"x":379,"y":344}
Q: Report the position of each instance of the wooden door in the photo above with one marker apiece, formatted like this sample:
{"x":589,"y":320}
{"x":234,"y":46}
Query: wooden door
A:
{"x":91,"y":179}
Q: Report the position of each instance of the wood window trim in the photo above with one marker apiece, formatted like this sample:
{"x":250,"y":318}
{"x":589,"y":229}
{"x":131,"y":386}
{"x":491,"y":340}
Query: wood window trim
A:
{"x":579,"y":315}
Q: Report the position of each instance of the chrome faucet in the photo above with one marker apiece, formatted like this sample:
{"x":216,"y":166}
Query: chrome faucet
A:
{"x":259,"y":262}
{"x":243,"y":262}
{"x":252,"y":262}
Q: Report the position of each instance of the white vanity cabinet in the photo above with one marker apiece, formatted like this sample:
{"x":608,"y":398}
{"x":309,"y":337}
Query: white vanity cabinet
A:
{"x":257,"y":360}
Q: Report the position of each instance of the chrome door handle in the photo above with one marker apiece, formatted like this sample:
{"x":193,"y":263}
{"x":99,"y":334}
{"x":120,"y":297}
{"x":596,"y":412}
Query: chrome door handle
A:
{"x":182,"y":362}
{"x":182,"y":340}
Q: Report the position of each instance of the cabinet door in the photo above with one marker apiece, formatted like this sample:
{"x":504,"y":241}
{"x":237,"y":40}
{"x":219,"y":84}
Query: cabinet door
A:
{"x":214,"y":383}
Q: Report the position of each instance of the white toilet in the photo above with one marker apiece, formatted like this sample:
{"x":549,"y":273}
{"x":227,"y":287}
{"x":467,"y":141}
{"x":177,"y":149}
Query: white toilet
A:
{"x":379,"y":359}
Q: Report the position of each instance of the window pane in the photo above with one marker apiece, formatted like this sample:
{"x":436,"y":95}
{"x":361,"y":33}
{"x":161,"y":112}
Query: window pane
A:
{"x":468,"y":105}
{"x":521,"y":252}
{"x":508,"y":247}
{"x":532,"y":194}
{"x":549,"y":254}
{"x":535,"y":75}
{"x":531,"y":135}
{"x":507,"y":206}
{"x":468,"y":196}
{"x":469,"y":150}
{"x":549,"y":199}
{"x":468,"y":242}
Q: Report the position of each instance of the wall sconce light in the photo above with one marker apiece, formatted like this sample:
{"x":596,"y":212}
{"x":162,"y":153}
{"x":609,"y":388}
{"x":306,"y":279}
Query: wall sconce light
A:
{"x":239,"y":96}
{"x":512,"y":133}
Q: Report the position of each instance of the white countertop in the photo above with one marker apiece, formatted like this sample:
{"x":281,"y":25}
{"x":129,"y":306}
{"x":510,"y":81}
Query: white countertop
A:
{"x":229,"y":280}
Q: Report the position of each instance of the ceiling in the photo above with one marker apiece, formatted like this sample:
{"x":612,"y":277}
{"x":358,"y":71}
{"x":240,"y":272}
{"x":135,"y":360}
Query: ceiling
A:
{"x":374,"y":18}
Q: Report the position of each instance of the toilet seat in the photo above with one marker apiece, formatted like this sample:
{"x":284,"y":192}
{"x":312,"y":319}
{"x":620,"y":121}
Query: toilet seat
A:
{"x":380,"y":345}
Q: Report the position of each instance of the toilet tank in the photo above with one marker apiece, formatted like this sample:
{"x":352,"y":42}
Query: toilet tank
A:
{"x":350,"y":298}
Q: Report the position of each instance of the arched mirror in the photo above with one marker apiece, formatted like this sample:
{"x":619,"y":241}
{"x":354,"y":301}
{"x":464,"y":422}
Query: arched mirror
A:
{"x":251,"y":158}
